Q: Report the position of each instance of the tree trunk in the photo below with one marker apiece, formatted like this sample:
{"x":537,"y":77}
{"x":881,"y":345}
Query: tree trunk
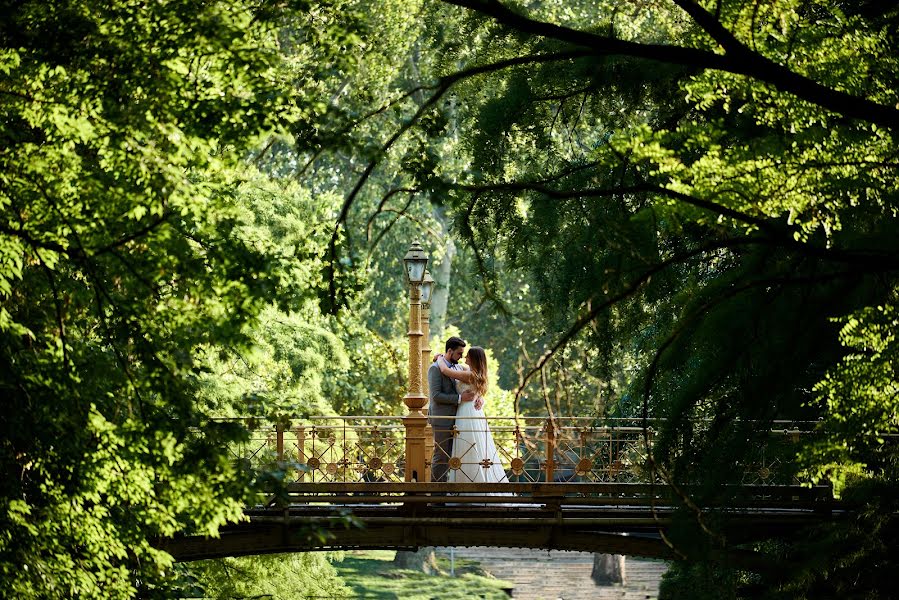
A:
{"x":442,"y":274}
{"x":423,"y":560}
{"x":608,"y":569}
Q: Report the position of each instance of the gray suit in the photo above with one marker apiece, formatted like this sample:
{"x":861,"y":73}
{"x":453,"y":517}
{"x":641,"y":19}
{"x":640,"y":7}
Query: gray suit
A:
{"x":444,"y":403}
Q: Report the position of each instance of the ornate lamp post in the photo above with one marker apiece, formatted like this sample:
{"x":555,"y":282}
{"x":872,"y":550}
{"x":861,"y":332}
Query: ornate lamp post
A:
{"x":427,"y":286}
{"x":416,"y":261}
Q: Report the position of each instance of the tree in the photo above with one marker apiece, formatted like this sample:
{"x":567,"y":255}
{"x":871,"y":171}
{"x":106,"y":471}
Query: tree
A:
{"x":608,"y":569}
{"x":124,"y":260}
{"x":278,"y":576}
{"x":423,"y":560}
{"x":698,"y":190}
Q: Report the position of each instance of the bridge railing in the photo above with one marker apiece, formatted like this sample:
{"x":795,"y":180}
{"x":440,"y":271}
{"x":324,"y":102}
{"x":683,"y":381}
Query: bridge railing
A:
{"x":530,"y":449}
{"x":533,"y":450}
{"x":322,"y":449}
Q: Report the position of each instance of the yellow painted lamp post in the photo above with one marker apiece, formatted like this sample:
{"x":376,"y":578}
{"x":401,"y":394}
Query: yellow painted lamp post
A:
{"x":415,"y":421}
{"x":427,"y":286}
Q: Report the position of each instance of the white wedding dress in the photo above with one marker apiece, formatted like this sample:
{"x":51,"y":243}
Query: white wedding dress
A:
{"x":479,"y":460}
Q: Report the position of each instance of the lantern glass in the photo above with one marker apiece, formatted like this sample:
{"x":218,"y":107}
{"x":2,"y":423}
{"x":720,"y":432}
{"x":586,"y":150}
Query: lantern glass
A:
{"x":416,"y":261}
{"x":427,"y":286}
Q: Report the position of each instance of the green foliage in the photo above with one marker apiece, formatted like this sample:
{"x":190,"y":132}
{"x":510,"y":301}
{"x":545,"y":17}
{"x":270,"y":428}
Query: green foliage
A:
{"x":283,"y":373}
{"x":849,"y":558}
{"x":376,"y":380}
{"x":369,"y":575}
{"x":498,"y":402}
{"x":687,"y":228}
{"x":92,"y":518}
{"x":682,"y":233}
{"x":854,"y":559}
{"x":699,"y":581}
{"x":278,"y":576}
{"x":859,"y":399}
{"x":131,"y":246}
{"x":292,"y":349}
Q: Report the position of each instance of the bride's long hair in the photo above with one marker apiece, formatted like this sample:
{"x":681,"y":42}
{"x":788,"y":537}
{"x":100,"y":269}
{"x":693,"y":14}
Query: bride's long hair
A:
{"x":477,"y":360}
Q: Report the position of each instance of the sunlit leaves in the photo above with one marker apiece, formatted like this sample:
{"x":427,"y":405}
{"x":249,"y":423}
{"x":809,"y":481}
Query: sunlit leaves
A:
{"x":861,"y":400}
{"x":279,"y":576}
{"x":765,"y":152}
{"x":129,"y":244}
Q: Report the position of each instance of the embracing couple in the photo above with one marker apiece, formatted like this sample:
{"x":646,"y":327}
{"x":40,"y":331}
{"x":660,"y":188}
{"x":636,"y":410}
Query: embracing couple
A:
{"x":457,"y":393}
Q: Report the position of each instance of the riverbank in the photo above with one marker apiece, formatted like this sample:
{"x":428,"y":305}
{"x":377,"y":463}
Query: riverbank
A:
{"x":371,"y":574}
{"x":557,"y":575}
{"x":496,"y":574}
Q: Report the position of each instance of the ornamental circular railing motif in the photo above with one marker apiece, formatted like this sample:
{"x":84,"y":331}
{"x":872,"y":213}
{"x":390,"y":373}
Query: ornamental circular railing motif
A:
{"x":584,"y":466}
{"x":517,"y":466}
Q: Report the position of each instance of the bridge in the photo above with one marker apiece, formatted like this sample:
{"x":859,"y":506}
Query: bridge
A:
{"x":574,"y":484}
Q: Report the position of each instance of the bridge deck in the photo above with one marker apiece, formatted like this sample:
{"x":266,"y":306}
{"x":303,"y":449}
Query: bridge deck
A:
{"x":550,"y":495}
{"x":594,"y":517}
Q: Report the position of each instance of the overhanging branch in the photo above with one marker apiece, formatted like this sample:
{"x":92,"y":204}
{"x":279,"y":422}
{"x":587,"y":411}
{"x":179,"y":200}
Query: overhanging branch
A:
{"x":629,"y":290}
{"x":779,"y":235}
{"x":441,"y":88}
{"x":737,"y":59}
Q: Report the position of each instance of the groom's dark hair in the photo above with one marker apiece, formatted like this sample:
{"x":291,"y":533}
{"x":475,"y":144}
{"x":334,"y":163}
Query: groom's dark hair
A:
{"x":454,"y":342}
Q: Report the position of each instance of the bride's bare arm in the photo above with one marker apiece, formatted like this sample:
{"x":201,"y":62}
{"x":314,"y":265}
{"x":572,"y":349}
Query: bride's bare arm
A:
{"x":463,"y":374}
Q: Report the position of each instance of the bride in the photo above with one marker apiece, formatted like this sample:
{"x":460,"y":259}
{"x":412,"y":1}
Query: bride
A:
{"x":475,"y":457}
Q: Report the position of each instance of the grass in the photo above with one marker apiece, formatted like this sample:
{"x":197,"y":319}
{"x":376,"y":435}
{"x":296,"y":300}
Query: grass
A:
{"x":371,"y":574}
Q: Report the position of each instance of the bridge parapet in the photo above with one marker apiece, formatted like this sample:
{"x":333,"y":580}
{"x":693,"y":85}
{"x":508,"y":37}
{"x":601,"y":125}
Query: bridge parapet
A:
{"x":339,"y":449}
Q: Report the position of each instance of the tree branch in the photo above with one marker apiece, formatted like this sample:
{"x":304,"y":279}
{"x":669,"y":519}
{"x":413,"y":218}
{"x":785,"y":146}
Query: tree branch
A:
{"x":400,"y":213}
{"x":781,"y":235}
{"x":382,"y":203}
{"x":133,"y":235}
{"x":442,"y":87}
{"x":738,"y":58}
{"x":711,"y":25}
{"x":629,"y":290}
{"x":35,"y":243}
{"x":642,"y":188}
{"x":598,"y":44}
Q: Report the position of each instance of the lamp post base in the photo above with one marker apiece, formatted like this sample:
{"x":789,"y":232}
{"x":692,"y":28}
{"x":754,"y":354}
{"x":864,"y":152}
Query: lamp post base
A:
{"x":416,"y":439}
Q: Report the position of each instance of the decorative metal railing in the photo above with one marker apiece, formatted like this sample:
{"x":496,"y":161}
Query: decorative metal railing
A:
{"x":344,"y":449}
{"x":530,"y":450}
{"x":535,"y":450}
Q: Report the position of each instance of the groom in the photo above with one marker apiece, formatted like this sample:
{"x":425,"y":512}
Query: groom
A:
{"x":445,"y":401}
